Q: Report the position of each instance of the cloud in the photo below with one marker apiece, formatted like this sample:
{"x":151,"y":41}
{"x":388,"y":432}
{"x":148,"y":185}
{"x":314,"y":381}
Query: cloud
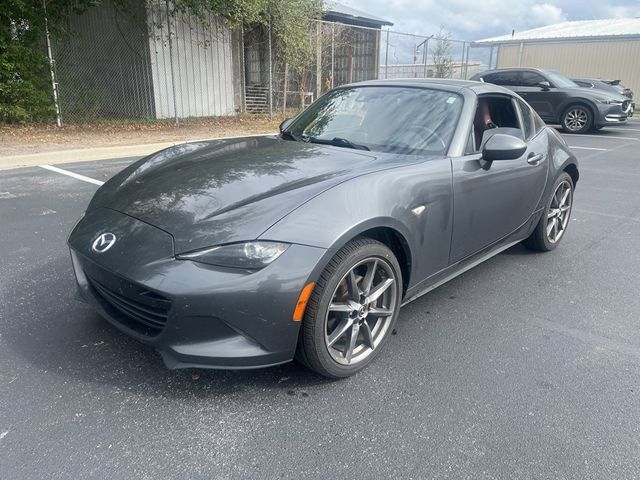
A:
{"x":547,"y":14}
{"x":473,"y":19}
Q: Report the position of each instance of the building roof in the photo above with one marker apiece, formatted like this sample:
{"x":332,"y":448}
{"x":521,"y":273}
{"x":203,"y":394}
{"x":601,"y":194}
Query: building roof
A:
{"x":337,"y":12}
{"x":583,"y":29}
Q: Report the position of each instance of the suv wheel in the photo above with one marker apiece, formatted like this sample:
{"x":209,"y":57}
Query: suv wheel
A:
{"x":577,"y":119}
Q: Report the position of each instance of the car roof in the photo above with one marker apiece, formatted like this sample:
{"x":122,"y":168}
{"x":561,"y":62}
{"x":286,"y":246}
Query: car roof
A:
{"x":512,"y":69}
{"x":450,"y":85}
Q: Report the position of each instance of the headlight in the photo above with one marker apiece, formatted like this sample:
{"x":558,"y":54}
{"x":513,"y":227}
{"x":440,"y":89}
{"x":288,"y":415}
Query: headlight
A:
{"x":610,"y":101}
{"x":249,"y":255}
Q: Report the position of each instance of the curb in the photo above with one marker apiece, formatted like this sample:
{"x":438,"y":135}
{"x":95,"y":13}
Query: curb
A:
{"x":98,"y":153}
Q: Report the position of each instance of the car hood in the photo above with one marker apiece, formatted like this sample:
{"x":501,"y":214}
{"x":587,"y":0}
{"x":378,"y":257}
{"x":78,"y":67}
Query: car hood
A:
{"x":216,"y":192}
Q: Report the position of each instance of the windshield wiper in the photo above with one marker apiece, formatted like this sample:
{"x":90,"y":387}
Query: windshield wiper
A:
{"x":288,"y":135}
{"x":338,"y":142}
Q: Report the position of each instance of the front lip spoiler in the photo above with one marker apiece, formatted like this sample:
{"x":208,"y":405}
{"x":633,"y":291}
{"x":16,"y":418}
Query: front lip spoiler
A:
{"x":615,"y":118}
{"x":175,"y":362}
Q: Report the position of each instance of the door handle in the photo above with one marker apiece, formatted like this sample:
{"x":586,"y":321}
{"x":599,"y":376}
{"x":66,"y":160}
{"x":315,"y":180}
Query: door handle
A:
{"x":534,"y":159}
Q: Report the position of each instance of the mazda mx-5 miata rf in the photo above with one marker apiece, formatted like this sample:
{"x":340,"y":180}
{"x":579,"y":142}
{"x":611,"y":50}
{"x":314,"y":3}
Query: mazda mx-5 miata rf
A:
{"x":251,"y":252}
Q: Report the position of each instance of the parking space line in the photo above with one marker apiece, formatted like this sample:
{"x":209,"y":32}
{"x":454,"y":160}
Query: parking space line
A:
{"x":623,"y":129}
{"x":599,"y":136}
{"x":609,"y":215}
{"x":589,"y":148}
{"x":585,"y":337}
{"x":71,"y":174}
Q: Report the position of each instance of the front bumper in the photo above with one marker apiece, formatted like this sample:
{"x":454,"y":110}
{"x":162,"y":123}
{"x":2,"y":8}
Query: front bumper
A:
{"x":611,"y":115}
{"x":195,"y":315}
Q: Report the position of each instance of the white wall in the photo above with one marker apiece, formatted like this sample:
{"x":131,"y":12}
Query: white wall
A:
{"x":609,"y":59}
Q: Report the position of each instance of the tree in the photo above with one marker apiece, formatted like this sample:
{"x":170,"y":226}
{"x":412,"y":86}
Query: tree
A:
{"x":442,"y":54}
{"x":25,"y":84}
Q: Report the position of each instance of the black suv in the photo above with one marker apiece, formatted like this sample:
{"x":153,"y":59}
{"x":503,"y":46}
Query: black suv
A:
{"x":559,"y":100}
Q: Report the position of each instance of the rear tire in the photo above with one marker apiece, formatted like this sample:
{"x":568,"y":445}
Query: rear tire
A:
{"x":555,"y":218}
{"x":577,"y":119}
{"x":352,"y":310}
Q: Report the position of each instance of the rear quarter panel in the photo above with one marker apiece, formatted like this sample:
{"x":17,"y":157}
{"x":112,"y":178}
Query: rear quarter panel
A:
{"x":560,"y":156}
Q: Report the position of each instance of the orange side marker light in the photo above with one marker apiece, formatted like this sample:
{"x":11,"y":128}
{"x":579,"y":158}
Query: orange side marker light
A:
{"x":298,"y":313}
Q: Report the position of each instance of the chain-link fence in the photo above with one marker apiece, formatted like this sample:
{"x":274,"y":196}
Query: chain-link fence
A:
{"x":147,"y":62}
{"x":433,"y":56}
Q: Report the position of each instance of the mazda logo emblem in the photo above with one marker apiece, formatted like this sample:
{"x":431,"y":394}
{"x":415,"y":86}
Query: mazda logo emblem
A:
{"x":104,"y":242}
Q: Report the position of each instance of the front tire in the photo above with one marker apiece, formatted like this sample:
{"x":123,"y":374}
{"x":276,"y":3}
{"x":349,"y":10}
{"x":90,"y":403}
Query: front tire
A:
{"x":577,"y":119}
{"x":352,"y":310}
{"x":555,"y":218}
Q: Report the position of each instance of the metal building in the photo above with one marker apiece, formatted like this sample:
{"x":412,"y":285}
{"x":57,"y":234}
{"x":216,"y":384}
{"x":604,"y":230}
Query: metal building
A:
{"x":608,"y":49}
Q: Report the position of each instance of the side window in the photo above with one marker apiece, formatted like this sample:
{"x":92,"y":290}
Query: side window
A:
{"x":471,"y":144}
{"x":503,"y":78}
{"x":494,"y":114}
{"x":527,"y":119}
{"x":491,"y":78}
{"x":532,"y":79}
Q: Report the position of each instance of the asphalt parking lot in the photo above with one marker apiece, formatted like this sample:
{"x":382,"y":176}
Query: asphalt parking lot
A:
{"x":524,"y":367}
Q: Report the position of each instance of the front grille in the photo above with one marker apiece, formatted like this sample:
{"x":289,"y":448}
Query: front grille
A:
{"x":141,"y":310}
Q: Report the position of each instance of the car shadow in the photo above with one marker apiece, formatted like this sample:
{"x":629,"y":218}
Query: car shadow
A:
{"x":520,"y":250}
{"x":44,"y":323}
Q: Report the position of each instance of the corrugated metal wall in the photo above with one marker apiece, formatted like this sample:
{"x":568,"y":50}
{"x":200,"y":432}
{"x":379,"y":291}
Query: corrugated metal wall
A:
{"x":202,"y":76}
{"x":610,"y":59}
{"x":356,"y":54}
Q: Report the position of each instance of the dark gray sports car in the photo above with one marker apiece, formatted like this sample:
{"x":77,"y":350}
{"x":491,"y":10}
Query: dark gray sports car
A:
{"x":249,"y":252}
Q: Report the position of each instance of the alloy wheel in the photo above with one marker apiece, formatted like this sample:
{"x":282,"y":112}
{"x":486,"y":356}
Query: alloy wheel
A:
{"x":361,"y":311}
{"x":559,"y":211}
{"x":576,"y":119}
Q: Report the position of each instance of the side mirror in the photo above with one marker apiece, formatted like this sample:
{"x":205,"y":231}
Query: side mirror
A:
{"x":503,"y":147}
{"x":544,"y":85}
{"x":285,"y":123}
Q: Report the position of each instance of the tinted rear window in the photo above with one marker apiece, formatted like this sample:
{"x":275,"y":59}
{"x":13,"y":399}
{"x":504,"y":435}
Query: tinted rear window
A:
{"x":503,"y":78}
{"x":532,"y":79}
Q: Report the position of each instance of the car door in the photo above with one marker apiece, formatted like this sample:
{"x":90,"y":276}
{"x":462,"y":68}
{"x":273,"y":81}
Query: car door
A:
{"x":543,"y":100}
{"x":493,"y":199}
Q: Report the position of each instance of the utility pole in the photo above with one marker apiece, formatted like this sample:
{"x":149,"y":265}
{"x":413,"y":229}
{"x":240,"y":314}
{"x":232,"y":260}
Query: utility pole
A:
{"x":425,"y":55}
{"x":270,"y":73}
{"x":54,"y":83}
{"x":173,"y":75}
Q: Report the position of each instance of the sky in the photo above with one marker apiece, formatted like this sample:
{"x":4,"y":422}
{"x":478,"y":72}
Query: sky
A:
{"x":478,"y":19}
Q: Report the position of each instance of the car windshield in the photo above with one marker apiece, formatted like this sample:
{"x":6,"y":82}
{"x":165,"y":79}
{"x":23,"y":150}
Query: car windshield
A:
{"x":392,"y":119}
{"x":560,"y":81}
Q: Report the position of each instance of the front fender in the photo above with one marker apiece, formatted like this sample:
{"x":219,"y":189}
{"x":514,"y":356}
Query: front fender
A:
{"x":387,"y":199}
